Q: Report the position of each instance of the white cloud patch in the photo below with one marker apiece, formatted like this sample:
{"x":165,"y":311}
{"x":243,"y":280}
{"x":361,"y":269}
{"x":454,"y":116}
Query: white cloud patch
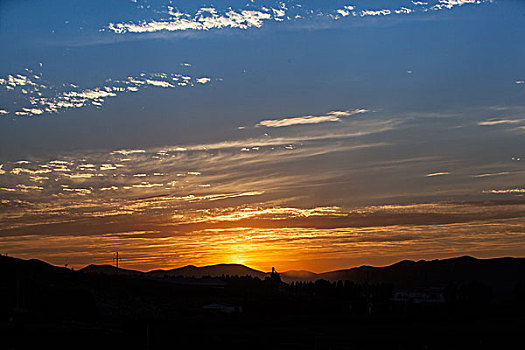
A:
{"x":491,"y":174}
{"x":375,"y":13}
{"x":253,"y":15}
{"x":43,"y":98}
{"x":203,"y":80}
{"x":6,"y":189}
{"x":333,"y":116}
{"x":493,"y":122}
{"x":26,"y":188}
{"x":77,"y":191}
{"x":441,"y":173}
{"x":346,"y":11}
{"x":448,"y":4}
{"x":19,"y":80}
{"x":159,"y":83}
{"x":508,"y":191}
{"x":403,"y":10}
{"x":90,"y":94}
{"x":127,"y":152}
{"x":204,"y":19}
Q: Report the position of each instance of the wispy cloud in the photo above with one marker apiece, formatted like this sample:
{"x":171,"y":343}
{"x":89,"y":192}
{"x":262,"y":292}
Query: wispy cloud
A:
{"x":491,"y":174}
{"x":493,"y":122}
{"x":333,"y":116}
{"x":273,"y":235}
{"x":441,"y":173}
{"x":507,"y":191}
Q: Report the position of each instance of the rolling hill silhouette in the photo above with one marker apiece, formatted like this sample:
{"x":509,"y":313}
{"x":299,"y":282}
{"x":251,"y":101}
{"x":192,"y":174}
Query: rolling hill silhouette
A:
{"x":212,"y":271}
{"x":498,"y":273}
{"x":501,"y":274}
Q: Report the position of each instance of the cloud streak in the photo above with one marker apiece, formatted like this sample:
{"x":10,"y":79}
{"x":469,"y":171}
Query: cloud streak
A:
{"x":333,"y":116}
{"x":494,"y":122}
{"x":508,"y":191}
{"x":441,"y":173}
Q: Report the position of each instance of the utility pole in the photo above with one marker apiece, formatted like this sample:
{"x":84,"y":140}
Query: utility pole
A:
{"x":116,"y":260}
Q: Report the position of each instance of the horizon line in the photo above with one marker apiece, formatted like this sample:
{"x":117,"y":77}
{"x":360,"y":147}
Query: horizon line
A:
{"x":264,"y":272}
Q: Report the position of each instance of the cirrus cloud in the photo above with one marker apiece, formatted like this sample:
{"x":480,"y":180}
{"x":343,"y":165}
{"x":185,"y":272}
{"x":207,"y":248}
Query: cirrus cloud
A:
{"x":332,"y":116}
{"x":492,"y":122}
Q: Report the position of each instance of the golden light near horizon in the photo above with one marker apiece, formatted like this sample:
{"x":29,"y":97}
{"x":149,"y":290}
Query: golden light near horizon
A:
{"x":284,"y":247}
{"x":236,"y":247}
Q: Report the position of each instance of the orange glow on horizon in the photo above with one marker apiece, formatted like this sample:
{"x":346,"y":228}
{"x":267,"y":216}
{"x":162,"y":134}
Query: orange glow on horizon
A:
{"x":315,"y":250}
{"x":318,"y":239}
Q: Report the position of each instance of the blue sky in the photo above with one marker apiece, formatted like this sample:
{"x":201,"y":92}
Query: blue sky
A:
{"x":271,"y":108}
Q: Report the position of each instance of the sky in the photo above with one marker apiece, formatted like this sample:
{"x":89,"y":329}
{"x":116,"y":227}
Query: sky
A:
{"x":300,"y":134}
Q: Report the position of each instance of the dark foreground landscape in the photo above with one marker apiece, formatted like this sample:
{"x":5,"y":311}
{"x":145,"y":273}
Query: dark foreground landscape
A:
{"x":460,"y":303}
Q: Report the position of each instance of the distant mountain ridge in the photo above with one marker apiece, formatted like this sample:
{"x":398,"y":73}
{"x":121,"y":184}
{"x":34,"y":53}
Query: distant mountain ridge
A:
{"x":498,"y":273}
{"x":211,"y":270}
{"x":501,"y":274}
{"x":189,"y":271}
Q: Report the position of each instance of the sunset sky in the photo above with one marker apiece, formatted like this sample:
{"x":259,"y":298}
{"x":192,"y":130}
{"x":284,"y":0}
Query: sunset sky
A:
{"x":300,"y":134}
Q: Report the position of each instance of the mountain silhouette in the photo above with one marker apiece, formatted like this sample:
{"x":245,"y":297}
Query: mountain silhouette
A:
{"x":189,"y":271}
{"x":498,"y":273}
{"x":212,"y":270}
